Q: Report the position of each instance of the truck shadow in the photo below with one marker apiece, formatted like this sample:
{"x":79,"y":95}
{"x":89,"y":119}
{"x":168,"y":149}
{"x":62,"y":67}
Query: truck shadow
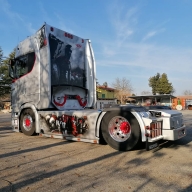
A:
{"x":141,"y":148}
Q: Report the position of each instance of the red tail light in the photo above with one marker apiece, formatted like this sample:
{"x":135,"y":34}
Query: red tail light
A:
{"x":45,"y":42}
{"x":68,"y":35}
{"x":154,"y":130}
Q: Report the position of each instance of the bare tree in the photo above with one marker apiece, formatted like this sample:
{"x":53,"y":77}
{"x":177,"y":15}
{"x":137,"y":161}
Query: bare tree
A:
{"x":173,"y":91}
{"x":123,"y":88}
{"x":187,"y":92}
{"x":105,"y":84}
{"x":146,"y":93}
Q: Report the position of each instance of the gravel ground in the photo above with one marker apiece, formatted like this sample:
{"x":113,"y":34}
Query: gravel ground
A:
{"x":44,"y":164}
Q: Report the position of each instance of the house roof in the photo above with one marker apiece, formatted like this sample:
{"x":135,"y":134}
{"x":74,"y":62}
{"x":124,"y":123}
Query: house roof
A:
{"x":106,"y":88}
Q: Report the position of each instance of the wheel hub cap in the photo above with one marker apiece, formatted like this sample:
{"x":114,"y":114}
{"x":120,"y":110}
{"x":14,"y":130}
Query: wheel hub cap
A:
{"x":27,"y":122}
{"x":124,"y":127}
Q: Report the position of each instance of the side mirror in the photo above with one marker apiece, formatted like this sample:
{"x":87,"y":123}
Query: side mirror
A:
{"x":12,"y":68}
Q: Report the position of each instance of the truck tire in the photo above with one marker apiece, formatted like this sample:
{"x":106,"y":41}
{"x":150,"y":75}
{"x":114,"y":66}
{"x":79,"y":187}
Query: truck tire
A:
{"x":121,"y":130}
{"x":27,"y":122}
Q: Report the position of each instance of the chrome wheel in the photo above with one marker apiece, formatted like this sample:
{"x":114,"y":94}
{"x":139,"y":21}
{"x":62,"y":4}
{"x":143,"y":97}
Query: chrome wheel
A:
{"x":119,"y":128}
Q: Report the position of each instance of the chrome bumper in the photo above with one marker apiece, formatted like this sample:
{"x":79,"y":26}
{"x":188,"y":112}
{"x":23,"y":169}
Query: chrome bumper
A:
{"x":174,"y":134}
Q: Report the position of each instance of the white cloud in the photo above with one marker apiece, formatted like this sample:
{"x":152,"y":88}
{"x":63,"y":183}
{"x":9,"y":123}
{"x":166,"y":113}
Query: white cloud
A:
{"x":149,"y":57}
{"x":61,"y":23}
{"x":125,"y":51}
{"x":123,"y":20}
{"x":152,"y":34}
{"x":149,"y":35}
{"x":54,"y":19}
{"x":15,"y":18}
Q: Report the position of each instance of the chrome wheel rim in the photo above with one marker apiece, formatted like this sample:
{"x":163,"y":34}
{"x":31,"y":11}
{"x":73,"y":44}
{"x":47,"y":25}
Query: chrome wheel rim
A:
{"x":119,"y":128}
{"x":27,"y":122}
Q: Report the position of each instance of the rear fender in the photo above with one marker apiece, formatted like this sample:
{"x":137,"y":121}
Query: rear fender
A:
{"x":139,"y":118}
{"x":138,"y":115}
{"x":98,"y":127}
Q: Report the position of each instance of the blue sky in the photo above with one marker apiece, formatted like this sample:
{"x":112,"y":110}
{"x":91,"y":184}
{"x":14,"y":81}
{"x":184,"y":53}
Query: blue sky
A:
{"x":132,"y":39}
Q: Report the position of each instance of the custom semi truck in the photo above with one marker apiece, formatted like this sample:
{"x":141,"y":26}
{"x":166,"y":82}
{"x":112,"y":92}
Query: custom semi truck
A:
{"x":53,"y":94}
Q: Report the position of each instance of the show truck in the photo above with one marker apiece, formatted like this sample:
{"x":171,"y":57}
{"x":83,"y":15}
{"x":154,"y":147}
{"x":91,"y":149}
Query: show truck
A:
{"x":53,"y":94}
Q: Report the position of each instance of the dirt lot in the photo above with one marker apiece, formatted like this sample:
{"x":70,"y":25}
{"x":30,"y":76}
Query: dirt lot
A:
{"x":44,"y":164}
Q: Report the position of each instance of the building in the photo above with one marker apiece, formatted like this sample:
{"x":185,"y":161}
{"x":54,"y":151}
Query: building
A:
{"x":184,"y":100}
{"x":105,"y":97}
{"x":169,"y":100}
{"x":165,"y":99}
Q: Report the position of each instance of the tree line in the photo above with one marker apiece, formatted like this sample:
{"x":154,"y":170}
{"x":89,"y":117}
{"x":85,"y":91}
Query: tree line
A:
{"x":159,"y":85}
{"x":5,"y":80}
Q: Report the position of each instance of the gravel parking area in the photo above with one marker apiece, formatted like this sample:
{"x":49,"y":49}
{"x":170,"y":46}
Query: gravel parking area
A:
{"x":44,"y":164}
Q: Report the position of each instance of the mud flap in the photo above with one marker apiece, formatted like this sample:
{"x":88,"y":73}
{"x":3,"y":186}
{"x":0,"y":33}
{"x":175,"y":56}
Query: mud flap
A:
{"x":151,"y":145}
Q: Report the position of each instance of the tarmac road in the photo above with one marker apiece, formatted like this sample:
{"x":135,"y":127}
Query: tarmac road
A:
{"x":44,"y":164}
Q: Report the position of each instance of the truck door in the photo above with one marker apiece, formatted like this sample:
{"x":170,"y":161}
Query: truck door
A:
{"x":18,"y":71}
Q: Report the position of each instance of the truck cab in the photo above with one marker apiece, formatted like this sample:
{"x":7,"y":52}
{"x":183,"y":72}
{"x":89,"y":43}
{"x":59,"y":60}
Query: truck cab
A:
{"x":53,"y":94}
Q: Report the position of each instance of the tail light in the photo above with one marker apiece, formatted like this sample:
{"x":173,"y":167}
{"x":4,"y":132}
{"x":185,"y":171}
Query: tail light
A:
{"x":45,"y":42}
{"x":68,"y":35}
{"x":154,"y":130}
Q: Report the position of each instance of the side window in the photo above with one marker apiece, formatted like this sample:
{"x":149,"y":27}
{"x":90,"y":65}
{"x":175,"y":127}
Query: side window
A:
{"x":24,"y":64}
{"x":30,"y":61}
{"x":20,"y":69}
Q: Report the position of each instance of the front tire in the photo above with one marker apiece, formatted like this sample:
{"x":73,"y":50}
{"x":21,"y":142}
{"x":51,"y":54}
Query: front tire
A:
{"x":121,"y":130}
{"x":27,"y":122}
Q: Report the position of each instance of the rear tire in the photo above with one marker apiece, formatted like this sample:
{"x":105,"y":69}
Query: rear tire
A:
{"x":121,"y":130}
{"x":27,"y":122}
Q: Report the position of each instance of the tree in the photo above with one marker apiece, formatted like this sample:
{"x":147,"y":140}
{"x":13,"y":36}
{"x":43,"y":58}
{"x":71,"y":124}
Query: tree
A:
{"x":160,"y":84}
{"x":5,"y":80}
{"x":1,"y":55}
{"x":153,"y":83}
{"x":187,"y":92}
{"x":105,"y":84}
{"x":163,"y":85}
{"x":122,"y":88}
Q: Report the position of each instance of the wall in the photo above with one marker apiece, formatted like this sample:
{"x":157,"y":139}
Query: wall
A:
{"x":108,"y":94}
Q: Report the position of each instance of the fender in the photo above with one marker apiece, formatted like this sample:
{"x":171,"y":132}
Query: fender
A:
{"x":138,"y":111}
{"x":141,"y":124}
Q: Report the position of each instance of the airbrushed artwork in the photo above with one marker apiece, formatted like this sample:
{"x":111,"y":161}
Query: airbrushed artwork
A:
{"x":66,"y":124}
{"x":68,"y":78}
{"x":67,"y":61}
{"x":66,"y":97}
